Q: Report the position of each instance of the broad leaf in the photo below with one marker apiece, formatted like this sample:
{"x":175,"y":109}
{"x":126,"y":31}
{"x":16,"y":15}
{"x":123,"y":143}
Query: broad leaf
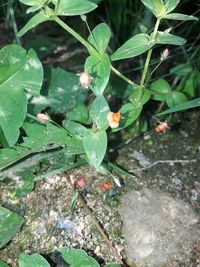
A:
{"x":112,"y":265}
{"x":95,"y":38}
{"x":64,"y":91}
{"x":18,"y":73}
{"x":44,"y":137}
{"x":160,"y":89}
{"x":99,"y":111}
{"x":175,"y":99}
{"x":71,"y":255}
{"x":157,"y":7}
{"x":79,"y":114}
{"x":34,"y":260}
{"x":167,"y":38}
{"x":177,"y":16}
{"x":33,"y":22}
{"x":75,"y":7}
{"x":75,"y":128}
{"x":95,"y":145}
{"x":139,"y":100}
{"x":182,"y":70}
{"x":99,"y":69}
{"x":187,"y":105}
{"x":9,"y":224}
{"x":135,"y":46}
{"x":129,"y":114}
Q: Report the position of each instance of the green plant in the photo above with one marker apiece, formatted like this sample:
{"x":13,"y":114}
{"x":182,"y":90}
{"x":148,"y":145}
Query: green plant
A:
{"x":82,"y":138}
{"x":73,"y":257}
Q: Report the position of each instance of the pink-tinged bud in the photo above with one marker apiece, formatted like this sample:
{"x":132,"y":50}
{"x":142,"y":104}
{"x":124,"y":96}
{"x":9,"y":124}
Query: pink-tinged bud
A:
{"x":164,"y":54}
{"x":113,"y":119}
{"x":85,"y":79}
{"x":43,"y":117}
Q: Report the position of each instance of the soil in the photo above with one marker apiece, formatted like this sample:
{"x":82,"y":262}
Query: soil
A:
{"x":169,"y":161}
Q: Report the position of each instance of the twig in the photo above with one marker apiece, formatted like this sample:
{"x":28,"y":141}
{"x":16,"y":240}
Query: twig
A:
{"x":166,"y":161}
{"x":100,"y":229}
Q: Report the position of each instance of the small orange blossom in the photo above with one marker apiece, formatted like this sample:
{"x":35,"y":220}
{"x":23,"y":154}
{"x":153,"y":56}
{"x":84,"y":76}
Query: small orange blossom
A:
{"x":113,"y":119}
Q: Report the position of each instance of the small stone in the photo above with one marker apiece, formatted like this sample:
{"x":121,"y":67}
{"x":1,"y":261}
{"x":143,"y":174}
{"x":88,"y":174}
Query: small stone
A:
{"x":97,"y":249}
{"x":147,"y":137}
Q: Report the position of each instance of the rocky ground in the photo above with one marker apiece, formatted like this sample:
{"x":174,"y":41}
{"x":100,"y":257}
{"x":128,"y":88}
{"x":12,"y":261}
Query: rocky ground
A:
{"x":167,"y":161}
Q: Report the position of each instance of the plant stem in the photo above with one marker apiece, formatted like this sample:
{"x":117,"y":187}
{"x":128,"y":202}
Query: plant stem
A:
{"x":91,"y":49}
{"x":149,"y":55}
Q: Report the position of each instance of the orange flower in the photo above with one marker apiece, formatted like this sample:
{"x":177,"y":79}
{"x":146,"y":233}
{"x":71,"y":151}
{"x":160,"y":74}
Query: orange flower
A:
{"x":43,"y":117}
{"x":113,"y":119}
{"x":85,"y":79}
{"x":161,"y":127}
{"x":80,"y":181}
{"x":106,"y":186}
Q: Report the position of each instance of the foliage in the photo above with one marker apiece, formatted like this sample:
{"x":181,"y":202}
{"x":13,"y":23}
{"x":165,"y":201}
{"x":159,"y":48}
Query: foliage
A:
{"x":73,"y":257}
{"x":82,"y":134}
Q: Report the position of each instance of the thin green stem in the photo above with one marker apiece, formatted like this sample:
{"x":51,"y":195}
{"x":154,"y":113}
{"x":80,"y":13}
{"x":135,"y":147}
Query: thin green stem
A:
{"x":149,"y":54}
{"x":91,"y":49}
{"x":152,"y":72}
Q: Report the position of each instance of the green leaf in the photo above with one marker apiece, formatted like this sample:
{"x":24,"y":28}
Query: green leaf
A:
{"x":75,"y":7}
{"x":129,"y":113}
{"x":99,"y":111}
{"x":95,"y":145}
{"x":32,"y":2}
{"x":34,"y":260}
{"x":170,"y":5}
{"x":182,"y":70}
{"x":3,"y":264}
{"x":43,"y":136}
{"x":96,"y":39}
{"x":79,"y":114}
{"x":138,"y":100}
{"x":177,"y":16}
{"x":135,"y":46}
{"x":187,"y":105}
{"x":175,"y":99}
{"x":18,"y":72}
{"x":64,"y":92}
{"x":167,"y":38}
{"x":75,"y":128}
{"x":9,"y":224}
{"x":77,"y":258}
{"x":160,"y":89}
{"x":99,"y":69}
{"x":157,"y":7}
{"x":27,"y":181}
{"x":33,"y":22}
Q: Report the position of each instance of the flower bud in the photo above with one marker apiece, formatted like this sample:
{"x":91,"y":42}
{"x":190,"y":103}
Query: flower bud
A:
{"x":43,"y":117}
{"x":113,"y":119}
{"x":164,"y":54}
{"x":85,"y":79}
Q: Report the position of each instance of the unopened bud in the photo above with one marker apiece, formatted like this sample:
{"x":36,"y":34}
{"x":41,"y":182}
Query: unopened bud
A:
{"x":164,"y":54}
{"x":85,"y":79}
{"x":43,"y":117}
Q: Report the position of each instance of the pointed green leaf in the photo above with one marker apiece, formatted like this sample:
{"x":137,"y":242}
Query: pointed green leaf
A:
{"x":79,"y":114}
{"x":167,"y":38}
{"x":75,"y":128}
{"x":34,"y":260}
{"x":99,"y":69}
{"x":33,"y":22}
{"x":171,"y":5}
{"x":135,"y":46}
{"x":9,"y":224}
{"x":95,"y":145}
{"x":177,"y":16}
{"x":157,"y":7}
{"x":71,"y":255}
{"x":129,"y":113}
{"x":75,"y":7}
{"x":96,"y":39}
{"x":99,"y":111}
{"x":182,"y":70}
{"x":187,"y":105}
{"x":138,"y":100}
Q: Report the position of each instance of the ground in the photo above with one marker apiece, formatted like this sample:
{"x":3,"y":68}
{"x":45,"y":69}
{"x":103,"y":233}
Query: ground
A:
{"x":169,"y":161}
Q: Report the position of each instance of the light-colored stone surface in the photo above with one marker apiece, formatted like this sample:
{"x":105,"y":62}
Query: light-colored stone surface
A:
{"x":159,"y":230}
